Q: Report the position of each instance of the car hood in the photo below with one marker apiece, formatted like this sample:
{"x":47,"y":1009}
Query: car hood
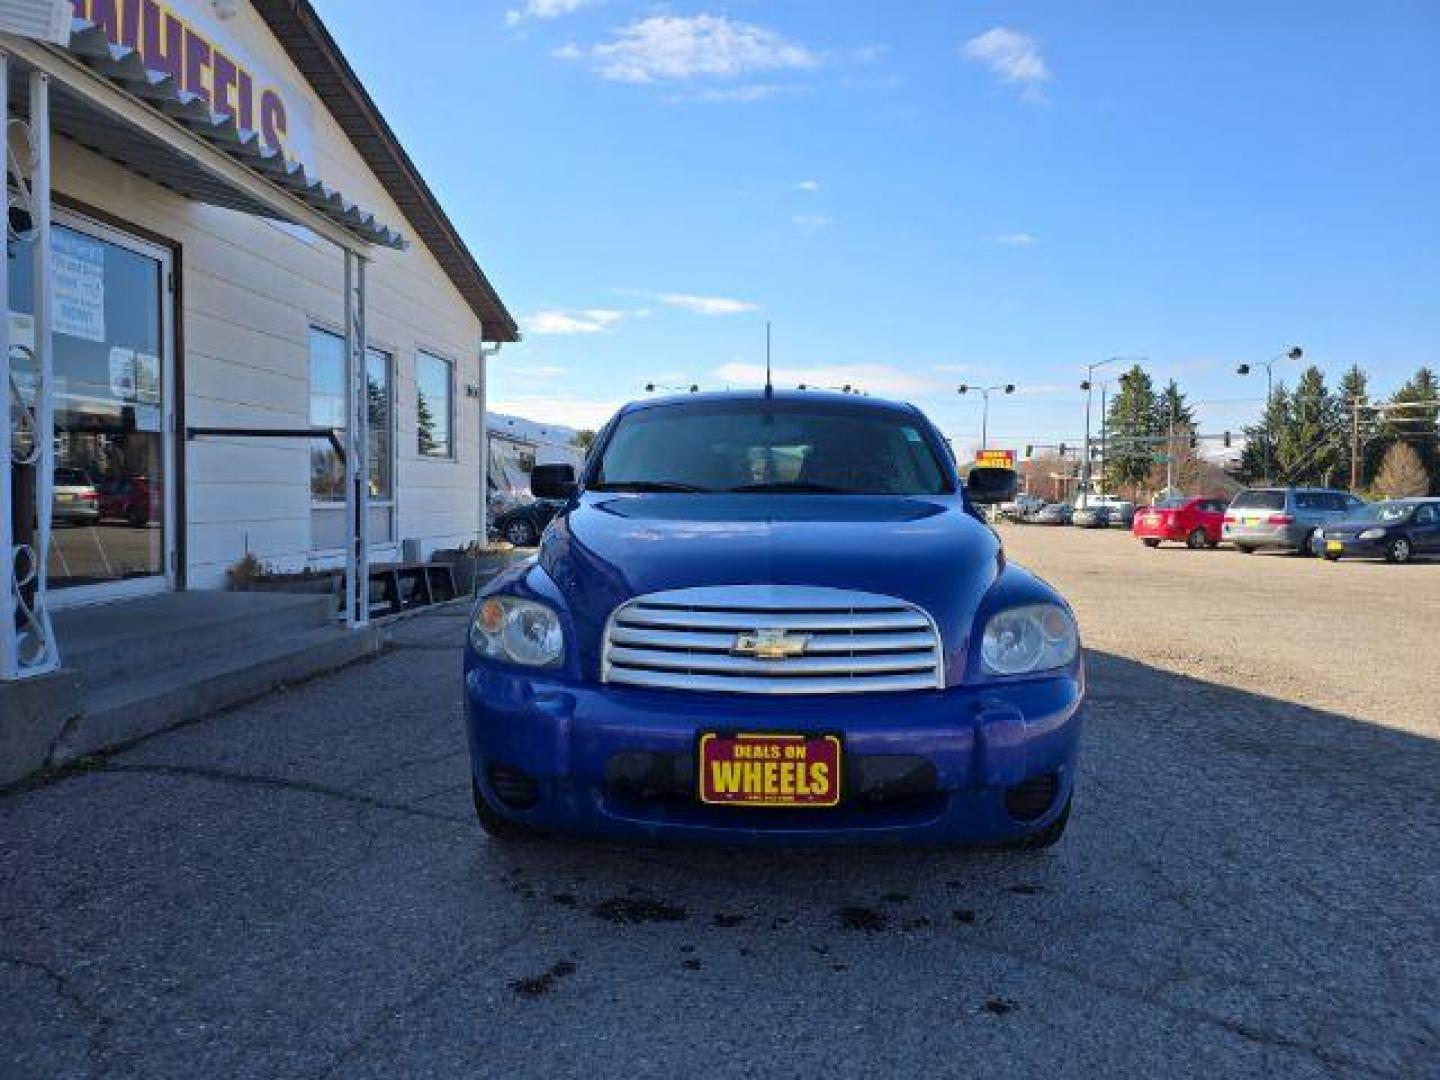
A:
{"x":929,"y":551}
{"x":1358,"y":525}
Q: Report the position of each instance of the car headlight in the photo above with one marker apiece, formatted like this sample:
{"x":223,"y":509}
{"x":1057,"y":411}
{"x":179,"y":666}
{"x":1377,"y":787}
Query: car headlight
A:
{"x":518,"y":631}
{"x":1373,"y":534}
{"x":1037,"y":637}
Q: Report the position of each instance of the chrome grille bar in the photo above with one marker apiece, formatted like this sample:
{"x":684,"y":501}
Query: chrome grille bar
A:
{"x":853,"y":642}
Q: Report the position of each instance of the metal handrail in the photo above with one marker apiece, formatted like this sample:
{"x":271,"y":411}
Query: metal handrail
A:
{"x":273,"y":433}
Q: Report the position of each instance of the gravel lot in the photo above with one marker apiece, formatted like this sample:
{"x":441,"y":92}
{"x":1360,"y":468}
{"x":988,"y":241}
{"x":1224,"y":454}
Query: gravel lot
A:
{"x":1359,"y":637}
{"x":1250,"y":885}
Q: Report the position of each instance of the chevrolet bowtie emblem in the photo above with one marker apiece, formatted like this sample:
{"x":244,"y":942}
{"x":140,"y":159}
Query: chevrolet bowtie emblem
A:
{"x":770,"y":644}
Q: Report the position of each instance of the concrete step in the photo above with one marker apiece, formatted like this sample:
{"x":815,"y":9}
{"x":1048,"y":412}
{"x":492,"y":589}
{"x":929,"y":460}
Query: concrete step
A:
{"x":142,"y":705}
{"x":114,"y":643}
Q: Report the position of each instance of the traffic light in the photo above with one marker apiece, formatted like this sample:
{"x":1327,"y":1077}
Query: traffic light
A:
{"x":1227,"y":440}
{"x":1062,"y":449}
{"x":1194,"y":441}
{"x":1029,"y":451}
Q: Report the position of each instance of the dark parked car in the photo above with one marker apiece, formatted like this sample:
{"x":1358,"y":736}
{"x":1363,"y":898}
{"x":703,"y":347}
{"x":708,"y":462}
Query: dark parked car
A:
{"x":1053,"y":514}
{"x":1095,"y":516}
{"x":1396,"y":531}
{"x":523,"y":524}
{"x":130,"y":498}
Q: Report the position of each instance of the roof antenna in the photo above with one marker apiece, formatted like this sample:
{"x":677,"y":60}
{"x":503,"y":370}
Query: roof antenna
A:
{"x":769,"y":386}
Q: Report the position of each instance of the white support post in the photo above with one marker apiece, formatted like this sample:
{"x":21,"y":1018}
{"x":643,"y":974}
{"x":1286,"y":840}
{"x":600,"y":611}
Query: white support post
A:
{"x":357,"y":448}
{"x":49,"y":656}
{"x":9,"y":591}
{"x":27,"y":639}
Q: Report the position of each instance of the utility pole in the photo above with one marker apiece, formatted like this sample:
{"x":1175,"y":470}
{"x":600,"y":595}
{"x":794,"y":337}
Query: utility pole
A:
{"x":1170,"y":451}
{"x":1355,"y":444}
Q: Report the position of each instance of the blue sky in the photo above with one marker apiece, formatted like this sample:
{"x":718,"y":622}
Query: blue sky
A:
{"x":921,"y":194}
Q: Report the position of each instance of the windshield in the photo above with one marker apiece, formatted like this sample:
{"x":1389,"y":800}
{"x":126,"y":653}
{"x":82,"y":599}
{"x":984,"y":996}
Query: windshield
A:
{"x":777,"y":447}
{"x":1385,"y":511}
{"x":1259,"y":500}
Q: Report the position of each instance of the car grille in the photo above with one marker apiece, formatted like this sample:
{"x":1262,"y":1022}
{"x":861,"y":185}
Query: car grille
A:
{"x":853,"y":642}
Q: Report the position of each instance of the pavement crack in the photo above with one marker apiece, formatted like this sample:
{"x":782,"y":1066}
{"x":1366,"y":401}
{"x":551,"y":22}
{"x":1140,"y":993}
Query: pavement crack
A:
{"x":99,"y":1022}
{"x":427,"y":993}
{"x":278,"y":783}
{"x":1240,"y":1028}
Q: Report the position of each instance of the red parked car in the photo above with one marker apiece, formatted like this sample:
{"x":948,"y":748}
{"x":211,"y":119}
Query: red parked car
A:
{"x":1194,"y":522}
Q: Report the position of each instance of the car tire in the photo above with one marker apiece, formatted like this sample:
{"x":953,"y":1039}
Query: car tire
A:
{"x":137,"y":518}
{"x":495,"y":826}
{"x":520,"y":533}
{"x":1050,"y":835}
{"x":1398,"y":550}
{"x":1150,"y":542}
{"x":1245,"y":549}
{"x":1197,"y":539}
{"x":1309,"y":548}
{"x":1332,"y":558}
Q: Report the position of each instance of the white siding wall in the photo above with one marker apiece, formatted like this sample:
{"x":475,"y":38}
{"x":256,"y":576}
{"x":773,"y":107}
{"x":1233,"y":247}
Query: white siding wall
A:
{"x":251,"y":290}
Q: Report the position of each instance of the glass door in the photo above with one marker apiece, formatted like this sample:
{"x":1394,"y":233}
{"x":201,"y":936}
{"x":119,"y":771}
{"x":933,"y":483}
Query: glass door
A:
{"x":112,"y":513}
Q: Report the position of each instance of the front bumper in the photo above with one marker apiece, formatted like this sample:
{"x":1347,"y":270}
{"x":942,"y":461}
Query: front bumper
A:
{"x":1353,"y":547}
{"x":923,"y":768}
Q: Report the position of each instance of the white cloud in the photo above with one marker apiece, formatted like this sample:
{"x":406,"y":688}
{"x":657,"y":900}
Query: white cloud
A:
{"x":574,"y":412}
{"x":1013,"y":56}
{"x":807,"y":185}
{"x":736,"y":95}
{"x":1014,"y":239}
{"x":589,"y":321}
{"x":674,"y":48}
{"x":884,"y":379}
{"x":567,"y":52}
{"x":543,"y":9}
{"x":706,"y":305}
{"x":812,"y":222}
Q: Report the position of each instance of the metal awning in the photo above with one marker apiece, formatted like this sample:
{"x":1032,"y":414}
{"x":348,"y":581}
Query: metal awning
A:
{"x":76,"y":116}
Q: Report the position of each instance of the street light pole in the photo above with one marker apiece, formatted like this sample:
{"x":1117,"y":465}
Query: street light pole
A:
{"x":1295,"y":352}
{"x":984,"y":392}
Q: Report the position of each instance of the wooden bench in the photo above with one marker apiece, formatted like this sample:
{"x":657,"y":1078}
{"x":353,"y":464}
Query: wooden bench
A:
{"x":397,"y":587}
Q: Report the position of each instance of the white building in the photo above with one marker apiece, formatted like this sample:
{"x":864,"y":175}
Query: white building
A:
{"x":234,"y":233}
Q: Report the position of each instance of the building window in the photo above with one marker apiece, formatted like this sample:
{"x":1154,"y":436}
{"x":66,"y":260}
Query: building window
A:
{"x":327,"y":410}
{"x":434,"y":405}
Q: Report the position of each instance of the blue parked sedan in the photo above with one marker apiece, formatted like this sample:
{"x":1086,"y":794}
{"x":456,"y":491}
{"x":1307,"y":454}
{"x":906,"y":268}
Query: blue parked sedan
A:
{"x":1396,"y":531}
{"x":773,"y":618}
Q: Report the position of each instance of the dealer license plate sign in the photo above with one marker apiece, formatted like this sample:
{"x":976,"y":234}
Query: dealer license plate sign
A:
{"x":768,"y":769}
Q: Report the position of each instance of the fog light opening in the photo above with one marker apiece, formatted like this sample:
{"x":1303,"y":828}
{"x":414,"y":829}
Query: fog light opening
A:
{"x":514,"y":787}
{"x":1031,"y":799}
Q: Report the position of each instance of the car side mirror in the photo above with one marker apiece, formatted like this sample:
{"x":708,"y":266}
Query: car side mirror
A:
{"x":553,"y":482}
{"x":987,"y":485}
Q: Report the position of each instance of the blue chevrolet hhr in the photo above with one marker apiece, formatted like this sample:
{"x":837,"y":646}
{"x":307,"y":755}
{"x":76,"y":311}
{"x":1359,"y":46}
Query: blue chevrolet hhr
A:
{"x":773,"y":618}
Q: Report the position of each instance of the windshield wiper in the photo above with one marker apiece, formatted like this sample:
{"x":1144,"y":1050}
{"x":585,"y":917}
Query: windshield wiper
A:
{"x":649,"y":485}
{"x":788,"y":486}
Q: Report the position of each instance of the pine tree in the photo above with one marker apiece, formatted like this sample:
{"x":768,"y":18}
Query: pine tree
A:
{"x":1307,"y":447}
{"x":1131,"y":418}
{"x":425,"y":423}
{"x":1172,"y":401}
{"x":1257,"y":461}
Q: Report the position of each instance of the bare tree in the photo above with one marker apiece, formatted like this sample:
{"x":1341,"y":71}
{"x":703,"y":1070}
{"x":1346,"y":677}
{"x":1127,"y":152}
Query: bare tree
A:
{"x":1401,"y":473}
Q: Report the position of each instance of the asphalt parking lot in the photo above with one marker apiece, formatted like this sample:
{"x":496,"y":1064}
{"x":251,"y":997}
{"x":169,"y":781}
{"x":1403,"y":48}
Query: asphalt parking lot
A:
{"x":1250,"y":885}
